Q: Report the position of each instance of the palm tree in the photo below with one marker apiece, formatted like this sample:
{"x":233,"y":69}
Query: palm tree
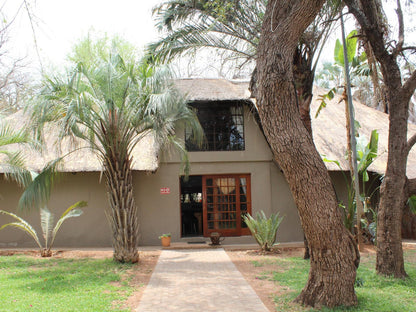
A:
{"x":112,"y":104}
{"x":234,"y":27}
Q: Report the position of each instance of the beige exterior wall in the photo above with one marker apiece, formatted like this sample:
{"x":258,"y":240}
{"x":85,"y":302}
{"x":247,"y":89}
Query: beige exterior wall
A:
{"x":269,"y":189}
{"x":160,"y":213}
{"x":88,"y":230}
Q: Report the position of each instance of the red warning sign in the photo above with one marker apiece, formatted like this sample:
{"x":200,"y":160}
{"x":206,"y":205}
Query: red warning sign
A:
{"x":164,"y":190}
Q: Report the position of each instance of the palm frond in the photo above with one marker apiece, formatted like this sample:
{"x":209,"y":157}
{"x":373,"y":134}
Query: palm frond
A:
{"x":72,"y":212}
{"x":38,"y":192}
{"x":14,"y":168}
{"x":46,"y":222}
{"x":23,"y":225}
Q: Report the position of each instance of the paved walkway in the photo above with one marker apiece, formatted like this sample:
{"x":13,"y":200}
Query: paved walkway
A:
{"x":198,"y":280}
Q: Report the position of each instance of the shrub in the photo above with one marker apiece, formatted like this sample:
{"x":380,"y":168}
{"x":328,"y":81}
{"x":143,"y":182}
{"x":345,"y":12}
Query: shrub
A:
{"x":263,"y":229}
{"x":48,"y":231}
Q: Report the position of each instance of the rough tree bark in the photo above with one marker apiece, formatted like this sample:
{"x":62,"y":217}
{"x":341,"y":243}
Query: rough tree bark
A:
{"x":122,"y":213}
{"x":334,"y":254}
{"x":373,"y":23}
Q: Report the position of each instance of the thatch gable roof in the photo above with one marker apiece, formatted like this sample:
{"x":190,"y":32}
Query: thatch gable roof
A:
{"x":328,"y":131}
{"x":84,"y":159}
{"x":213,"y":89}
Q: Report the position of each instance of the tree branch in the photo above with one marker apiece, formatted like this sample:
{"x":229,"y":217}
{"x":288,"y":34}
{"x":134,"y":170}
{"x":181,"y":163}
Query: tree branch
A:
{"x":411,"y":142}
{"x":400,"y":43}
{"x":410,"y":85}
{"x":408,"y":48}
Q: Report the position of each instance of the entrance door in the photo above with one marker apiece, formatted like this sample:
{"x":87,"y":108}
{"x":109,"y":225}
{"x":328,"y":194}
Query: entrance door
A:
{"x":225,"y":199}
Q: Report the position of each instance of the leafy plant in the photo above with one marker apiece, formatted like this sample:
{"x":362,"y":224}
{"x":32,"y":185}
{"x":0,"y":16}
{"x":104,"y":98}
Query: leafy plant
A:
{"x":412,"y":203}
{"x":165,"y":235}
{"x":46,"y":219}
{"x":263,"y":229}
{"x":366,"y":154}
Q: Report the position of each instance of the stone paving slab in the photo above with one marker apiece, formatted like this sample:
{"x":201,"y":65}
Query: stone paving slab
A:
{"x":198,"y":280}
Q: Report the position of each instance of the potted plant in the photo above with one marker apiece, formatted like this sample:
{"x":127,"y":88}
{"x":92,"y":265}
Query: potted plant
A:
{"x":165,"y":238}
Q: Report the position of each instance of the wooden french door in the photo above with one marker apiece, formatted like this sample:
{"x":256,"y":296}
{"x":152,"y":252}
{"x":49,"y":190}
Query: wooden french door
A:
{"x":225,"y":199}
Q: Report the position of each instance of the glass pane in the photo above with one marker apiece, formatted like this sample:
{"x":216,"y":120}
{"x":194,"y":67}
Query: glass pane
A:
{"x":243,"y":198}
{"x":210,"y":207}
{"x":223,"y":127}
{"x":243,"y":224}
{"x":243,"y":208}
{"x":209,"y":182}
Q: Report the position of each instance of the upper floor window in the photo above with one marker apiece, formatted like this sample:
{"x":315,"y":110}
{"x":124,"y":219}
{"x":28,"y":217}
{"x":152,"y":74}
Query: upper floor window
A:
{"x":223,"y":124}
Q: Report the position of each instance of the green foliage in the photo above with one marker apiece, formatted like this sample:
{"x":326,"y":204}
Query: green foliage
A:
{"x":49,"y":232}
{"x":351,"y":41}
{"x":92,"y":48}
{"x":331,"y":76}
{"x":165,"y":235}
{"x":412,"y":203}
{"x":375,"y":293}
{"x":324,"y":98}
{"x":38,"y":191}
{"x":13,"y":162}
{"x":65,"y":285}
{"x":111,"y":101}
{"x":366,"y":154}
{"x":263,"y":229}
{"x":232,"y":26}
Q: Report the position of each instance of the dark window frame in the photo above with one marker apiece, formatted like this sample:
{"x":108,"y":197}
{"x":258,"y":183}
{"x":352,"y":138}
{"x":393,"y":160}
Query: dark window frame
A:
{"x":223,"y":124}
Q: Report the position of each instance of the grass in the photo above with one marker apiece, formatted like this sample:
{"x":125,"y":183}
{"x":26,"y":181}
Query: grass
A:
{"x":31,"y":284}
{"x":376,"y":293}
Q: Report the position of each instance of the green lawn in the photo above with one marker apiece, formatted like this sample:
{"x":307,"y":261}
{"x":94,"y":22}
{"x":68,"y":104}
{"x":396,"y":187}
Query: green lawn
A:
{"x":32,"y":284}
{"x":376,"y":293}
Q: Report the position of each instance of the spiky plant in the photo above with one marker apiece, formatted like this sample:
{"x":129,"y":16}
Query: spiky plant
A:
{"x":48,"y":230}
{"x":263,"y":229}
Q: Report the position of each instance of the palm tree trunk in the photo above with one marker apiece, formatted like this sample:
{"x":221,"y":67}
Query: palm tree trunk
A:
{"x":122,"y":213}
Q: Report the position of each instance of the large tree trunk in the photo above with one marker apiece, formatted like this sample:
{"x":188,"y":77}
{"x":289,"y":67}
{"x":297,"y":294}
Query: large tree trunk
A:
{"x":122,"y":213}
{"x":334,"y":254}
{"x":371,"y":17}
{"x":389,"y":241}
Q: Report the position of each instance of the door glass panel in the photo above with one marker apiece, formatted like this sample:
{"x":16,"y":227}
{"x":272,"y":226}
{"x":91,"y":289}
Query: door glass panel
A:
{"x":227,"y":199}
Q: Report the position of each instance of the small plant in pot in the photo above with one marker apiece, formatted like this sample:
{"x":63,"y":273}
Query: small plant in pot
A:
{"x":165,"y":239}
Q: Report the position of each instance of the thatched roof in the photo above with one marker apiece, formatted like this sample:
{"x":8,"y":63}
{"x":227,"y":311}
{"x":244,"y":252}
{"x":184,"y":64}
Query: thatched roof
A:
{"x":84,"y":159}
{"x":328,"y":131}
{"x":213,"y":89}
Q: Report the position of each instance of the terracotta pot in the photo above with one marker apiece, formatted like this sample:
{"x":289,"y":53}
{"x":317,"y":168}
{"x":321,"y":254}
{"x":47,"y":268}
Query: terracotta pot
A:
{"x":165,"y":241}
{"x":216,"y":238}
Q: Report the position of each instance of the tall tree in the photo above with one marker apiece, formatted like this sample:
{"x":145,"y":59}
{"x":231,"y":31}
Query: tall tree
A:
{"x":334,"y":254}
{"x":234,"y":26}
{"x":112,"y":101}
{"x":374,"y":24}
